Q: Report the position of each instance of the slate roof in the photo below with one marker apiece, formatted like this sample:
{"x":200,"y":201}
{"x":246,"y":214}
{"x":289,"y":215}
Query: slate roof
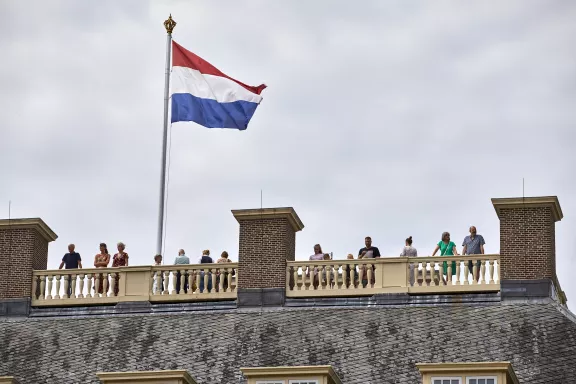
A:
{"x":365,"y":345}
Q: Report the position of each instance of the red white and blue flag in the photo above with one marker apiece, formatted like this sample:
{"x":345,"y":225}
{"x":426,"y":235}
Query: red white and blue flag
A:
{"x":203,"y":94}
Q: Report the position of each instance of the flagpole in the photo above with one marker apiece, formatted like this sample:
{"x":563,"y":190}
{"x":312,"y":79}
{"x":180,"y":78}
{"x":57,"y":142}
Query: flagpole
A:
{"x":169,"y":24}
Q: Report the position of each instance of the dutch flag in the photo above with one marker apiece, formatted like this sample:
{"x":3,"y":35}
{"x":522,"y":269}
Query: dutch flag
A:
{"x":203,"y":94}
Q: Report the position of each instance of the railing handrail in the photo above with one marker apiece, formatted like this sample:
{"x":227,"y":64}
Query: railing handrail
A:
{"x":133,"y":268}
{"x":396,"y":259}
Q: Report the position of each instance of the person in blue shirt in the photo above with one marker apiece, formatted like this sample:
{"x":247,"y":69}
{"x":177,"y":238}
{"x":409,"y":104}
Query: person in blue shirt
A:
{"x":205,"y":259}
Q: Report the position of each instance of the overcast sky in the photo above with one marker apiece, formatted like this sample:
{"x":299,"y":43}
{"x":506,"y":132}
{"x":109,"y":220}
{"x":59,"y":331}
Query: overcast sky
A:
{"x":382,"y":118}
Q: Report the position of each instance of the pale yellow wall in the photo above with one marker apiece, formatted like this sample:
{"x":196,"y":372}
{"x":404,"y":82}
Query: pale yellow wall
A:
{"x":500,"y":376}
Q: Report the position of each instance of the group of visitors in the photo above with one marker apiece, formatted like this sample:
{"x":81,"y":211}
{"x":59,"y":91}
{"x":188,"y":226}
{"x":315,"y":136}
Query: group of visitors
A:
{"x":72,"y":259}
{"x":472,"y":244}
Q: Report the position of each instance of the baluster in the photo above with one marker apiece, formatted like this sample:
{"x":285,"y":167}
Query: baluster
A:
{"x":221,"y":282}
{"x":350,"y":269}
{"x":81,"y":285}
{"x":190,"y":278}
{"x":456,"y":281}
{"x":49,"y":289}
{"x":497,"y":270}
{"x":152,"y":281}
{"x":97,"y":284}
{"x":198,"y":276}
{"x":466,"y":272}
{"x":294,"y":271}
{"x":338,"y":276}
{"x":435,"y":275}
{"x":42,"y":288}
{"x":89,"y":285}
{"x":482,"y":279}
{"x":158,"y":288}
{"x":306,"y":275}
{"x":298,"y":278}
{"x":35,"y":287}
{"x":474,"y":272}
{"x":178,"y":282}
{"x":57,"y":286}
{"x":420,"y":269}
{"x":323,"y":277}
{"x":105,"y":284}
{"x":491,"y":269}
{"x":206,"y":279}
{"x":369,"y":273}
{"x":167,"y":287}
{"x":449,"y":275}
{"x":71,"y":286}
{"x":233,"y":282}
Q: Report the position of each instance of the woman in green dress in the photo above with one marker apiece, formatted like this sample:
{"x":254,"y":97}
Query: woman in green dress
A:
{"x":447,"y":248}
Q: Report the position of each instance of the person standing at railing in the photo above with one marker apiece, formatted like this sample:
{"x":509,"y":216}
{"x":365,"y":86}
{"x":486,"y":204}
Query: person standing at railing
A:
{"x":159,"y":275}
{"x":318,"y":255}
{"x":223,"y":259}
{"x":447,"y":248}
{"x":368,"y":252}
{"x":473,"y":245}
{"x":71,"y":260}
{"x":121,"y":258}
{"x":181,"y":259}
{"x":101,"y":260}
{"x":348,"y":269}
{"x":410,"y":251}
{"x":205,"y":259}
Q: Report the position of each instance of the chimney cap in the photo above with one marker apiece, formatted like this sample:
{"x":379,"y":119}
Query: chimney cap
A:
{"x":270,"y":213}
{"x":529,"y":202}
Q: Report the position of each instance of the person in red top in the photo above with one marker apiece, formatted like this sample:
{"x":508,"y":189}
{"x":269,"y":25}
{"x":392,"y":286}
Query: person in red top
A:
{"x":121,"y":258}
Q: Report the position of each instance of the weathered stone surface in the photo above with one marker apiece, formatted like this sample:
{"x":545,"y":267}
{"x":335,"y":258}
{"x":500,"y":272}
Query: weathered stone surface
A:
{"x":365,"y":345}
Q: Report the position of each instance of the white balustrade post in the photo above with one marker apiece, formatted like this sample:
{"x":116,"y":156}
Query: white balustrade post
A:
{"x":81,"y":277}
{"x":369,"y":274}
{"x":491,"y":269}
{"x":89,"y":286}
{"x":222,"y":275}
{"x":57,"y":278}
{"x":72,"y":286}
{"x":49,"y":289}
{"x":466,"y":271}
{"x":190,"y":277}
{"x":456,"y":281}
{"x":42,"y":288}
{"x":474,"y":272}
{"x":167,"y":287}
{"x":106,"y":283}
{"x":482,"y":279}
{"x":449,"y":275}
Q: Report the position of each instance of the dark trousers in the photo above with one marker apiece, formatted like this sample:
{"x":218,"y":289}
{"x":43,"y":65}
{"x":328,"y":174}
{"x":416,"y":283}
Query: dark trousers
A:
{"x":201,"y":285}
{"x":185,"y":278}
{"x":471,"y":267}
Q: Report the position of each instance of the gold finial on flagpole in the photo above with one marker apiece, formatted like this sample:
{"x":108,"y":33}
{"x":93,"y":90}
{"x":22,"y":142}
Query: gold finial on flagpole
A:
{"x":169,"y":24}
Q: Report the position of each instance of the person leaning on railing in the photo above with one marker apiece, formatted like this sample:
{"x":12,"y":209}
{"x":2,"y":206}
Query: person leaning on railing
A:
{"x":368,"y":252}
{"x":318,"y":255}
{"x":223,"y":259}
{"x":348,"y":269}
{"x":101,"y":260}
{"x":205,"y":259}
{"x":447,"y":248}
{"x":71,"y":260}
{"x":473,"y":245}
{"x":410,"y":251}
{"x":181,"y":259}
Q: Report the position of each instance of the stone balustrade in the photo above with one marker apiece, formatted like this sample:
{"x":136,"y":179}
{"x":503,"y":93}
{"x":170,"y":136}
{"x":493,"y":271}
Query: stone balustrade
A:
{"x":414,"y":275}
{"x":96,"y":286}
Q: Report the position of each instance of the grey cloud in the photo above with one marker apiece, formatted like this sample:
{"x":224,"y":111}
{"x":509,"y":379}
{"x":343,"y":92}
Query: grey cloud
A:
{"x":391,"y":119}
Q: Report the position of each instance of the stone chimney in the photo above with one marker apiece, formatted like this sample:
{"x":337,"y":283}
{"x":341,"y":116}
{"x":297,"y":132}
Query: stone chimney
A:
{"x":23,"y":248}
{"x":528,"y":246}
{"x":267,"y":241}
